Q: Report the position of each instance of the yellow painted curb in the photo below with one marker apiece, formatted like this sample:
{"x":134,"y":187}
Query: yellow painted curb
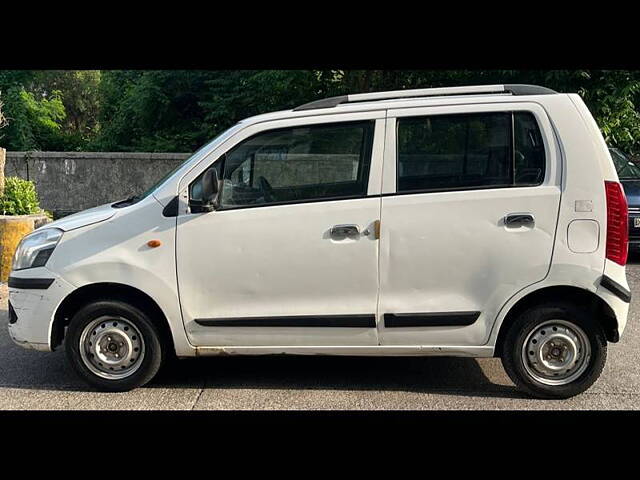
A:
{"x":12,"y":229}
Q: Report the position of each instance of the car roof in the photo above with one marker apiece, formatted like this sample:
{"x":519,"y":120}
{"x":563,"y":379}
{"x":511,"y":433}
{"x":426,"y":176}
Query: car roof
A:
{"x":406,"y":99}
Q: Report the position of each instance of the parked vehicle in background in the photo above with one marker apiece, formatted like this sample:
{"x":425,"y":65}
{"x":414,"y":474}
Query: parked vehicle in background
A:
{"x":629,"y":175}
{"x":467,"y":221}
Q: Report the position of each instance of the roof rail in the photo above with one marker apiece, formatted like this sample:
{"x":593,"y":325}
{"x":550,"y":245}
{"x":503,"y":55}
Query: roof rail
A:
{"x":513,"y":89}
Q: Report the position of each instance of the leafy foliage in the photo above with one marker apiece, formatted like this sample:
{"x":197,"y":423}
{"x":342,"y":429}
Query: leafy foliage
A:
{"x":49,"y":110}
{"x":3,"y":120}
{"x":32,"y":123}
{"x":177,"y":110}
{"x":20,"y":197}
{"x":79,"y":94}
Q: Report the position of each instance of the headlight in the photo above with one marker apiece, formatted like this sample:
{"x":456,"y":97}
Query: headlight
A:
{"x":35,"y":249}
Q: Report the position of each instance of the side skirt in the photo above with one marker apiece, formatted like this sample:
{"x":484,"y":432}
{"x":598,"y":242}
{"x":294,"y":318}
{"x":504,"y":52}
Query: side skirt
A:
{"x":380,"y":351}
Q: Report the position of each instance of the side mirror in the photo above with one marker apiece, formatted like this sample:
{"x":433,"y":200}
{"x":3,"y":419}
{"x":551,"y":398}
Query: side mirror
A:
{"x":210,"y":187}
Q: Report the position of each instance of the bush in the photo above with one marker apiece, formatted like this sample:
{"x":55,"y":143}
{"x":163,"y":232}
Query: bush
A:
{"x":20,"y":197}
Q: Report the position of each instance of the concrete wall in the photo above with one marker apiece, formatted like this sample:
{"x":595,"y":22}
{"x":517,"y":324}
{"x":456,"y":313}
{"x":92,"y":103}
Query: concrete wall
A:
{"x":68,"y":182}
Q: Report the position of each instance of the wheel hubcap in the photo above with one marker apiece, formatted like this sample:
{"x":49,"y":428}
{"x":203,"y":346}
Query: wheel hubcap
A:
{"x":556,"y":352}
{"x":112,"y":347}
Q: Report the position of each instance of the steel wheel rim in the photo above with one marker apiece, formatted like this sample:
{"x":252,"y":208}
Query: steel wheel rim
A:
{"x":112,"y":347}
{"x":556,"y":352}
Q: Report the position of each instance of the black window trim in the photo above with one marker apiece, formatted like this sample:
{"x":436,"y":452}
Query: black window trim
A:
{"x":478,"y":187}
{"x":367,"y":149}
{"x":296,"y":202}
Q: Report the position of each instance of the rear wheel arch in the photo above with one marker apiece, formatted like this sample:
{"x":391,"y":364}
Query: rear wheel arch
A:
{"x":601,"y":311}
{"x":108,"y":291}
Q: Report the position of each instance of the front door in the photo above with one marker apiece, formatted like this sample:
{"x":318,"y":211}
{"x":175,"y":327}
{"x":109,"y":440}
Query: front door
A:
{"x":289,"y":257}
{"x":469,"y":211}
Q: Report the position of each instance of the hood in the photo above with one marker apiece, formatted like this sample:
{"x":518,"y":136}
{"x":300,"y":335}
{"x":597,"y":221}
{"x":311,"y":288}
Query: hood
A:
{"x":84,"y":218}
{"x":632,"y":192}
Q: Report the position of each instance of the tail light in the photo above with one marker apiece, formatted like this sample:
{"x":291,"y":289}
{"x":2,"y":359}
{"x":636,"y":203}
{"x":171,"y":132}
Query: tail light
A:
{"x":617,"y":223}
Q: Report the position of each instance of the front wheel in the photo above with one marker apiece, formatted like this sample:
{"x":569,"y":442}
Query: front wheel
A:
{"x":113,"y":346}
{"x":554,"y":351}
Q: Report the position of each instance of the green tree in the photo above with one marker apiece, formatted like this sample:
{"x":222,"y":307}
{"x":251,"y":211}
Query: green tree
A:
{"x":33,"y":123}
{"x":180,"y":110}
{"x":151,"y":110}
{"x":79,"y":93}
{"x":233,"y":95}
{"x":3,"y":119}
{"x":177,"y":110}
{"x":49,"y":109}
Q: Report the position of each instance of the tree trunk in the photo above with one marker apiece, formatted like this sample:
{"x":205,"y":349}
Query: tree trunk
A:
{"x":3,"y":153}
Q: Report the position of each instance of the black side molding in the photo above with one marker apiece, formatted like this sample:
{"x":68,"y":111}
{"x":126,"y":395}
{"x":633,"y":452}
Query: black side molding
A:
{"x":444,"y":319}
{"x":30,"y":283}
{"x":348,"y":321}
{"x":615,"y":288}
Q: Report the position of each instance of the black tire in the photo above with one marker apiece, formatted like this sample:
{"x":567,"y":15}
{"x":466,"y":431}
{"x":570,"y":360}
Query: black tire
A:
{"x":153,"y":348}
{"x":526,"y":323}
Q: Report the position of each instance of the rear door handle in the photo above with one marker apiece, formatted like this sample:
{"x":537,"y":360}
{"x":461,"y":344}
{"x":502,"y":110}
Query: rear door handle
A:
{"x":519,"y":219}
{"x":342,"y":232}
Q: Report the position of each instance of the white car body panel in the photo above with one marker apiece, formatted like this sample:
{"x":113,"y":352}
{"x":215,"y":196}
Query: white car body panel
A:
{"x":280,"y":261}
{"x":451,"y":252}
{"x":116,"y":251}
{"x":84,"y":218}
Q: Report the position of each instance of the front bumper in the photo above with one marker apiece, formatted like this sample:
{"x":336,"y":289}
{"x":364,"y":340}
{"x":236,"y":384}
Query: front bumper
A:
{"x":33,"y":306}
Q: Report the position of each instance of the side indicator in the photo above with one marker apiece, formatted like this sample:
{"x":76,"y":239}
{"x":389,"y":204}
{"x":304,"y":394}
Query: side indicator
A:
{"x":154,"y":243}
{"x":376,"y":229}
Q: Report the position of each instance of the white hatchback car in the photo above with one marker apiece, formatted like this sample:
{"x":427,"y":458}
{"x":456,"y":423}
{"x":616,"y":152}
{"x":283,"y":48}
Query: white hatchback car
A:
{"x":467,"y":221}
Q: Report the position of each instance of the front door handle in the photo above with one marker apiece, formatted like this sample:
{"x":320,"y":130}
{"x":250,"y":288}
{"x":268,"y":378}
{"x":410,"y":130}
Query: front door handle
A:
{"x":519,"y":219}
{"x":342,"y":232}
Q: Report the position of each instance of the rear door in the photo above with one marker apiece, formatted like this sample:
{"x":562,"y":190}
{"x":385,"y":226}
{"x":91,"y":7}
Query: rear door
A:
{"x":469,"y":211}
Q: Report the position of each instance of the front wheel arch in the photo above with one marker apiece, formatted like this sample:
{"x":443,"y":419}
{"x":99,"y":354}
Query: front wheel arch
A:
{"x":109,"y":291}
{"x":600,"y":310}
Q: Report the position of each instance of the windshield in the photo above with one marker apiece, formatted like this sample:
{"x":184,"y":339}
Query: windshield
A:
{"x":201,"y":151}
{"x":136,"y":198}
{"x":627,"y":170}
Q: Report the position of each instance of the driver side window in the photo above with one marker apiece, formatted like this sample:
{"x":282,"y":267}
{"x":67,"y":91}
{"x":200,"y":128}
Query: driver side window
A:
{"x":327,"y":161}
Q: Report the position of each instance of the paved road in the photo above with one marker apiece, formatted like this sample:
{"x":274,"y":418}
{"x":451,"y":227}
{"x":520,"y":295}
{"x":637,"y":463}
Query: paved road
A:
{"x":35,"y":380}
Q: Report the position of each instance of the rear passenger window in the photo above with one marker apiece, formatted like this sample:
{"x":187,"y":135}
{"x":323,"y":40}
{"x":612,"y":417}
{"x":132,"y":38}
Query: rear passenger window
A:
{"x":483,"y":150}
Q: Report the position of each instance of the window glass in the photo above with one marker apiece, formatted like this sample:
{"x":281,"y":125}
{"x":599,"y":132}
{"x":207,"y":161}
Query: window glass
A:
{"x":454,"y":151}
{"x":299,"y":164}
{"x":529,"y":150}
{"x":461,"y":151}
{"x":627,"y":170}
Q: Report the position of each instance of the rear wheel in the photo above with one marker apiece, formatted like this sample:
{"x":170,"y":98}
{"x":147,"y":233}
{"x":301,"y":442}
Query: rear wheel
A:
{"x":554,"y":351}
{"x":113,"y":346}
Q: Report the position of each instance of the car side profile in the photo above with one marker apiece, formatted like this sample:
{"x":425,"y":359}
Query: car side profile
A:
{"x":464,"y":221}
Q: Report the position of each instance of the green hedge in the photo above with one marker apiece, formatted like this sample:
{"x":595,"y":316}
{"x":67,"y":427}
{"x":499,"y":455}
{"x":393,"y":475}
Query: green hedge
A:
{"x":20,"y":197}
